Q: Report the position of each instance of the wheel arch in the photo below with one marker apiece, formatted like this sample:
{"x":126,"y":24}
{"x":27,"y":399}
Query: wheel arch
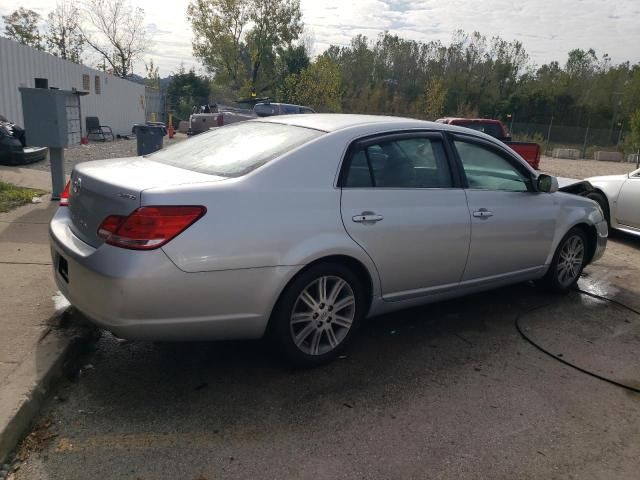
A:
{"x":349,"y":261}
{"x":592,"y":238}
{"x":602,"y":193}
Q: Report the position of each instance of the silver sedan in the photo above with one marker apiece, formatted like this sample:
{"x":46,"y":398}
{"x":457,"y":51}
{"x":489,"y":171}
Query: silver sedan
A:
{"x":302,"y":226}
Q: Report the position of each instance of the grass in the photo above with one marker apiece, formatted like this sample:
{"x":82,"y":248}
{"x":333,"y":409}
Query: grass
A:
{"x":12,"y":196}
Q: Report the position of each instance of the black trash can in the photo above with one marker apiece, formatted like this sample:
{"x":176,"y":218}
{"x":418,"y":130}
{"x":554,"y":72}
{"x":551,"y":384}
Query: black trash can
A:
{"x":149,"y":138}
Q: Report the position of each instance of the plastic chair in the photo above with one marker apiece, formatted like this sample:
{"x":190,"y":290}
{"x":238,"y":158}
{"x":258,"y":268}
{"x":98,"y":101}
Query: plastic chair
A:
{"x":101,"y":131}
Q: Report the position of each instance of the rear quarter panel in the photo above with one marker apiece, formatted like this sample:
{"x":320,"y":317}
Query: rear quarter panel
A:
{"x":284,"y":213}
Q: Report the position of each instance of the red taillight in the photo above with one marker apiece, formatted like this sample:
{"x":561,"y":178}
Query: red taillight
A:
{"x":148,"y":227}
{"x":64,"y":197}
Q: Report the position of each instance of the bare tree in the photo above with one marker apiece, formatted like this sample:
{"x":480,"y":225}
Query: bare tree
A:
{"x":63,"y":35}
{"x":115,"y":30}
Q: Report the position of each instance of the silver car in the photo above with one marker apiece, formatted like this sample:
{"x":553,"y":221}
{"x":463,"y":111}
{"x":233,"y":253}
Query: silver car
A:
{"x":301,"y":226}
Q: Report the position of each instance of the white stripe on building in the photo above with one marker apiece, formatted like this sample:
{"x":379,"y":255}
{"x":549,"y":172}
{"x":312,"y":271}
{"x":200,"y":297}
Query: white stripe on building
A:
{"x":118,"y":103}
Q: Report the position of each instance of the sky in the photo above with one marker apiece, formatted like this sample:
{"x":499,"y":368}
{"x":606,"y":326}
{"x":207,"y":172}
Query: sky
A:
{"x":548,"y":29}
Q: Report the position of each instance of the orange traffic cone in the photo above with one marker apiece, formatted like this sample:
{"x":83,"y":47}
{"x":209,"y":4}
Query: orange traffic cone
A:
{"x":171,"y":131}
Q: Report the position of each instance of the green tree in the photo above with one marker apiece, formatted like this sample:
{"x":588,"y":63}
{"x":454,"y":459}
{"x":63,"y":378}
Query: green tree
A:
{"x":22,"y":26}
{"x":317,"y":86}
{"x":218,"y":26}
{"x":634,"y":134}
{"x":63,"y":35}
{"x":153,"y":77}
{"x":276,"y":23}
{"x":435,"y":94}
{"x":185,"y":91}
{"x":236,"y":54}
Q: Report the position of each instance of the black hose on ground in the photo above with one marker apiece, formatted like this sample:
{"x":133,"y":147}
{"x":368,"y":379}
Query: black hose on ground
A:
{"x":562,"y":360}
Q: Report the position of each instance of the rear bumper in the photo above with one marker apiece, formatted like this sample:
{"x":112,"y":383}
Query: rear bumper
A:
{"x":143,"y":295}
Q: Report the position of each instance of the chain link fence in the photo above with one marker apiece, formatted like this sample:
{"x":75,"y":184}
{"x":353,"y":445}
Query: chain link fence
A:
{"x":586,"y":140}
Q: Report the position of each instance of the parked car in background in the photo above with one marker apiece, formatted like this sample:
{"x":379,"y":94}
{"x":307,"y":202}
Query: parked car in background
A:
{"x":529,"y":151}
{"x":619,"y":198}
{"x":221,"y":115}
{"x":267,"y":109}
{"x":301,"y":226}
{"x":202,"y":122}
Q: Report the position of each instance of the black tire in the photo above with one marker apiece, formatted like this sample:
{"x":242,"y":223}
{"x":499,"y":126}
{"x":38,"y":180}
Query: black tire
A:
{"x":282,"y":330}
{"x":35,"y":155}
{"x":601,"y":200}
{"x":553,"y":280}
{"x":23,"y":158}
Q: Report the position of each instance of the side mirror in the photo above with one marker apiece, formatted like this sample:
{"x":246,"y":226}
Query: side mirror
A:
{"x":547,"y":183}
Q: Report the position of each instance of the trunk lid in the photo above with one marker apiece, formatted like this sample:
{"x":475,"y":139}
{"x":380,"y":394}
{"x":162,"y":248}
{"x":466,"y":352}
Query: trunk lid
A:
{"x":112,"y":187}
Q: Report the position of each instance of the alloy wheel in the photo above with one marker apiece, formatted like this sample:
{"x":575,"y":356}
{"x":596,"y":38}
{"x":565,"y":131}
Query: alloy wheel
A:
{"x":570,"y":260}
{"x":322,"y":315}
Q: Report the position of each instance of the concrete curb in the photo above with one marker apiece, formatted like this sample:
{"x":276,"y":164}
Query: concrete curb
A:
{"x":26,"y":389}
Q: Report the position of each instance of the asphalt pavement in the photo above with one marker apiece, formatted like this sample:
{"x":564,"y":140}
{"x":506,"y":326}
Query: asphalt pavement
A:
{"x":444,"y":391}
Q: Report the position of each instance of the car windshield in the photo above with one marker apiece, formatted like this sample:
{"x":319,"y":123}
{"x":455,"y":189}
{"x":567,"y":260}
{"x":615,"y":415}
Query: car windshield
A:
{"x":235,"y":150}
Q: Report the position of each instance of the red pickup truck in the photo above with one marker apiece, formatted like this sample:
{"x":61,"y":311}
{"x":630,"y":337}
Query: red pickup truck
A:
{"x":529,"y":151}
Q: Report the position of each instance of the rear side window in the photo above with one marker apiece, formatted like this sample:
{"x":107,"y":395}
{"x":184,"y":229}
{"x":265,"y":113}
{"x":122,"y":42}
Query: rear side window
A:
{"x":235,"y":150}
{"x":404,"y":163}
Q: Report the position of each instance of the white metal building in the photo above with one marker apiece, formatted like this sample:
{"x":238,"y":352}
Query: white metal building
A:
{"x":118,"y":103}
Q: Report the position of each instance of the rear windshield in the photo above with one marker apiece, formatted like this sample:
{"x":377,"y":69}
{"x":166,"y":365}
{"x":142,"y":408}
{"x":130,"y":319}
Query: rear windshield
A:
{"x":235,"y":150}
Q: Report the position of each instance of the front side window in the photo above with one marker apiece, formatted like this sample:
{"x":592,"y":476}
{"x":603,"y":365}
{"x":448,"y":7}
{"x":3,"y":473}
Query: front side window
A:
{"x":418,"y":162}
{"x":236,"y":149}
{"x":488,"y":170}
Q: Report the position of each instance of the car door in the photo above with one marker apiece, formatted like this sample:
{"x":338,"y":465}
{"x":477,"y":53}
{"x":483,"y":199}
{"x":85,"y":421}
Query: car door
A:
{"x":402,"y":205}
{"x":628,"y":205}
{"x":512,"y":225}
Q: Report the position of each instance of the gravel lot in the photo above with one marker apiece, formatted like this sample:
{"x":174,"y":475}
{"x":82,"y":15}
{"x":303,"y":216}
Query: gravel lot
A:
{"x":561,"y":167}
{"x":119,"y":148}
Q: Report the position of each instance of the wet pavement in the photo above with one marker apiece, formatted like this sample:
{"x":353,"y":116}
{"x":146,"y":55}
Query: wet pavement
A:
{"x":445,"y":391}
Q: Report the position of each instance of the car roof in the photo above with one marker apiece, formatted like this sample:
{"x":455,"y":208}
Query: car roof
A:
{"x":473,"y":120}
{"x":332,"y":122}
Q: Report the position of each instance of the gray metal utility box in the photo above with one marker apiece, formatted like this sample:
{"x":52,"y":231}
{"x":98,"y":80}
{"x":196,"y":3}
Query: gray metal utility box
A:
{"x":51,"y":117}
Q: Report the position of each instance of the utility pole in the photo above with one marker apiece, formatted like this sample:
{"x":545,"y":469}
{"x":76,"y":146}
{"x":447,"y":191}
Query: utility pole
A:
{"x":615,"y":111}
{"x":621,"y":126}
{"x":549,"y":133}
{"x":586,"y":136}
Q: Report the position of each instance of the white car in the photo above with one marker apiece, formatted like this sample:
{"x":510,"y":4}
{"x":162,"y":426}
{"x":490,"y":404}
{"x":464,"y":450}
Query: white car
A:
{"x":619,"y":198}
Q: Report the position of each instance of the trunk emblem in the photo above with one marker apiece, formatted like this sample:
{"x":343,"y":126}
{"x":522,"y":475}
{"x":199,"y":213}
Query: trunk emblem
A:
{"x":127,"y":195}
{"x":77,"y":185}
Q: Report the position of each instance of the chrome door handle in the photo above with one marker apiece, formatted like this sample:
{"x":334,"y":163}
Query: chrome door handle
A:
{"x":367,"y":217}
{"x":482,"y":213}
